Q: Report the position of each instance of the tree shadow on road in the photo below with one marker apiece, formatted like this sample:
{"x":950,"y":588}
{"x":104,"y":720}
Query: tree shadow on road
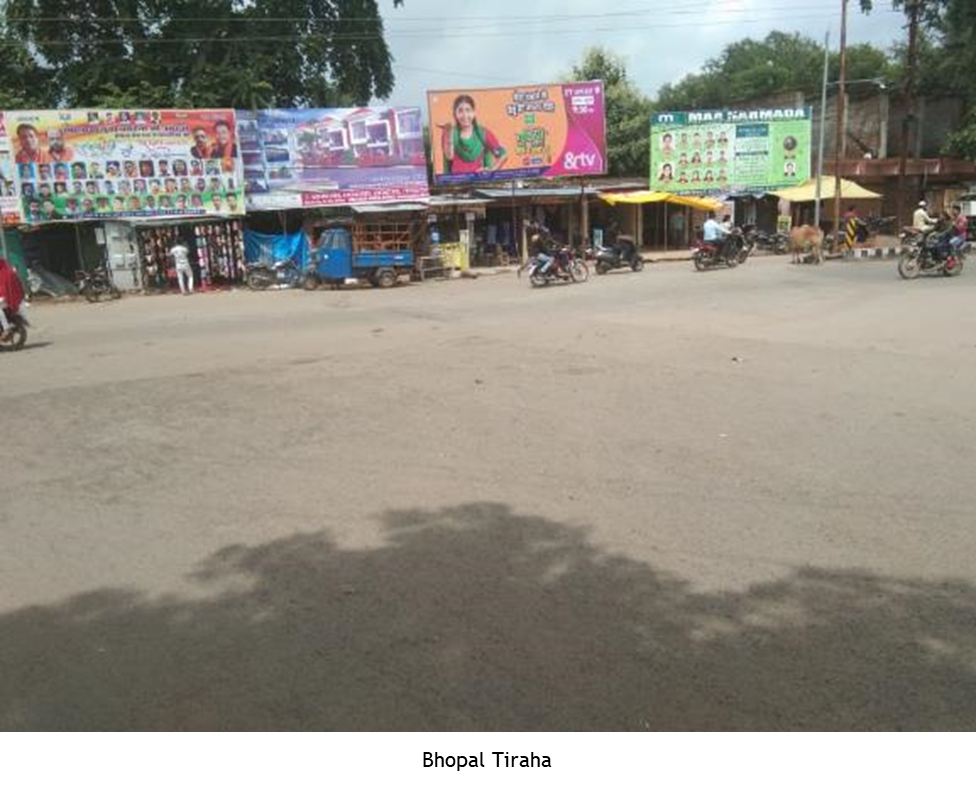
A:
{"x":475,"y":618}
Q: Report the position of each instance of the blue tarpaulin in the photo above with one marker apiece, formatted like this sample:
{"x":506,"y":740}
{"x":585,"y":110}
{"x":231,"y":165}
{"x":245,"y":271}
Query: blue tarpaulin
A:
{"x":269,"y":248}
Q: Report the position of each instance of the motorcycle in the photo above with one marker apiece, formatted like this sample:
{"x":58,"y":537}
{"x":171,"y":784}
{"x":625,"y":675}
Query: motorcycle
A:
{"x":562,"y":264}
{"x":930,"y":252}
{"x":284,"y":274}
{"x":623,"y":253}
{"x":740,"y":243}
{"x":96,"y":284}
{"x":777,"y":243}
{"x":726,"y":253}
{"x":18,"y":335}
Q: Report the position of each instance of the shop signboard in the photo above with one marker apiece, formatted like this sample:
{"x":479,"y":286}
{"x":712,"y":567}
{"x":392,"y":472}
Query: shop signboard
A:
{"x":79,"y":164}
{"x":730,"y":149}
{"x":9,"y":203}
{"x":311,"y":157}
{"x":549,"y":130}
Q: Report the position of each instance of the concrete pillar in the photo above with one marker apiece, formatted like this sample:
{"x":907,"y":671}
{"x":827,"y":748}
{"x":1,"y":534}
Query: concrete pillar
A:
{"x":524,"y":248}
{"x":585,"y":217}
{"x":883,"y":124}
{"x":666,"y":227}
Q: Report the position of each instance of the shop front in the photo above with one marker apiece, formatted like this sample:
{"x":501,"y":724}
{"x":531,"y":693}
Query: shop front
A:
{"x":216,"y":249}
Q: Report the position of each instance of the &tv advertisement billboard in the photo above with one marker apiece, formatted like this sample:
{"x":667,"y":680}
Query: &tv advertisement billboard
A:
{"x":308,"y":157}
{"x":730,"y":149}
{"x":99,"y":164}
{"x":550,"y":130}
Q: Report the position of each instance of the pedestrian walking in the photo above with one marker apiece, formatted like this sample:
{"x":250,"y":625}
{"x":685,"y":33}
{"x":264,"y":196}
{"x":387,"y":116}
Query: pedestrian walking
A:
{"x":184,"y":273}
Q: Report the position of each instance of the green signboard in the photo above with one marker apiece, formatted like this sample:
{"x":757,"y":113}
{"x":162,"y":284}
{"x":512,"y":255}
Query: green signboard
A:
{"x":730,"y":149}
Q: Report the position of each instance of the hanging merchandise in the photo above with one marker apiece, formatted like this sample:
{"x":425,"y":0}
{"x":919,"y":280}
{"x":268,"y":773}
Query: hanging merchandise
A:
{"x":220,"y":250}
{"x":216,"y":250}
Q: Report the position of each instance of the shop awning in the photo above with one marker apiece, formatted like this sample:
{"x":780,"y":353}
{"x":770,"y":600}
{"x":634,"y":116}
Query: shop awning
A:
{"x":808,"y":191}
{"x":535,"y":193}
{"x":389,"y":207}
{"x":650,"y":197}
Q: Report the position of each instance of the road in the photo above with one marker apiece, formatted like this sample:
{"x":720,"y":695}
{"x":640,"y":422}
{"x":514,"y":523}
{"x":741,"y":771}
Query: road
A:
{"x":659,"y":501}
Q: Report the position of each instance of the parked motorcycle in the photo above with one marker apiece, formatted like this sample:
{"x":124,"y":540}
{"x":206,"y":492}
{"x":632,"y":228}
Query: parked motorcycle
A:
{"x":18,"y":335}
{"x":96,"y":284}
{"x":726,"y":253}
{"x":623,"y":253}
{"x":284,"y":274}
{"x":777,"y":242}
{"x":740,"y":243}
{"x":930,"y":252}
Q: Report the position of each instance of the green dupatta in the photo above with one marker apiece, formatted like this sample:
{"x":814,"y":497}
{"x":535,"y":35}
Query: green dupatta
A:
{"x":470,"y":150}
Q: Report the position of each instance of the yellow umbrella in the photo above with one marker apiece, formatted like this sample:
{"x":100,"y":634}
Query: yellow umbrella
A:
{"x":808,"y":191}
{"x":649,"y":197}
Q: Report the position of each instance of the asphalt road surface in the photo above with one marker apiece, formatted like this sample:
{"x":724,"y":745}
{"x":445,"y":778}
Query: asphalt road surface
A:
{"x":740,"y":499}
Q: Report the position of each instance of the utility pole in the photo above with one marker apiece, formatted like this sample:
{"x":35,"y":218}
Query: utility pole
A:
{"x":823,"y":128}
{"x":912,"y":8}
{"x":841,"y":109}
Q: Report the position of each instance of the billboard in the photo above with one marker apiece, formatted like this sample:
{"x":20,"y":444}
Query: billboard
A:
{"x":309,"y":157}
{"x":730,"y":149}
{"x":550,"y":130}
{"x":9,"y":203}
{"x":79,"y":164}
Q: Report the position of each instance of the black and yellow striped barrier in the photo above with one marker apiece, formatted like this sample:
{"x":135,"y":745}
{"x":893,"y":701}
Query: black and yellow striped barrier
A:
{"x":850,"y":234}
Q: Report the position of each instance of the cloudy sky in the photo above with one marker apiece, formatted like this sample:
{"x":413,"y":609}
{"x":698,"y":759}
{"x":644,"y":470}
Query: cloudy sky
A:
{"x":467,"y":43}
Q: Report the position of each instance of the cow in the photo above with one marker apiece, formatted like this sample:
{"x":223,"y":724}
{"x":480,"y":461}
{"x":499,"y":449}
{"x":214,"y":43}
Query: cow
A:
{"x":806,"y":240}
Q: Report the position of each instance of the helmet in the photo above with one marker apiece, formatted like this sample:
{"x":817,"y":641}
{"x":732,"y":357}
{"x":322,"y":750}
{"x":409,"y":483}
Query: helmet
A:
{"x":922,"y":203}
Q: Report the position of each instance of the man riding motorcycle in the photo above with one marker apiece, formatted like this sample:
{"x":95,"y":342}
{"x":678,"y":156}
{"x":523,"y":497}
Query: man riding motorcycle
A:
{"x":715,"y":234}
{"x":540,"y":243}
{"x":921,"y":220}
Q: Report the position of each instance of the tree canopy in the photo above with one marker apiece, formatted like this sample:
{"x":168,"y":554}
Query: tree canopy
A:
{"x":628,"y":112}
{"x":947,"y":60}
{"x":780,"y":62}
{"x":193,"y":53}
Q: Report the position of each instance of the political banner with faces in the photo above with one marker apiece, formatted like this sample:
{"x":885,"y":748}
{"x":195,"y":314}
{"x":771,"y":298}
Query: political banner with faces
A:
{"x":110,"y":164}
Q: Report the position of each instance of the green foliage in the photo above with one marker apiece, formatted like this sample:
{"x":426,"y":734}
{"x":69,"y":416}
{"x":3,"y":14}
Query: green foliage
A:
{"x":187,"y":53}
{"x":628,"y":112}
{"x":781,"y":62}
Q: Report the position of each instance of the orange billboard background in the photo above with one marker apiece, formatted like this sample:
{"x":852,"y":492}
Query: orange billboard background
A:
{"x":527,"y":131}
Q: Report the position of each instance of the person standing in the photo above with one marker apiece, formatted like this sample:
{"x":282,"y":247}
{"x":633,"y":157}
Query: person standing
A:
{"x":181,"y":260}
{"x":11,"y":297}
{"x":677,"y":221}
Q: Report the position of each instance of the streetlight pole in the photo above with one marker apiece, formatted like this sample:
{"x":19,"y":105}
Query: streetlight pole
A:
{"x":823,"y":127}
{"x":841,"y":107}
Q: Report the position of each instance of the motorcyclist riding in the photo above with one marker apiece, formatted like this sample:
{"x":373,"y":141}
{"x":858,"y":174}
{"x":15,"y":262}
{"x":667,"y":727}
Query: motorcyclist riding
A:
{"x":539,"y":246}
{"x":715,"y":234}
{"x":921,"y":220}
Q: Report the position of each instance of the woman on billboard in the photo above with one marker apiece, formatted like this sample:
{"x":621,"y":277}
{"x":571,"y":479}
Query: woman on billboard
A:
{"x":468,"y":146}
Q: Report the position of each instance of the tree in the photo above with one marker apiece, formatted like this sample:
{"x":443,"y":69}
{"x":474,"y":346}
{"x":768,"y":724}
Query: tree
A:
{"x":781,"y":62}
{"x":946,"y":59}
{"x":187,"y":53}
{"x":628,"y":112}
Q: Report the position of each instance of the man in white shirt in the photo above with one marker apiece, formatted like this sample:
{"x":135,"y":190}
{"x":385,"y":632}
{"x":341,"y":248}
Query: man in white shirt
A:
{"x":921,"y":220}
{"x":715,"y":233}
{"x":184,"y":273}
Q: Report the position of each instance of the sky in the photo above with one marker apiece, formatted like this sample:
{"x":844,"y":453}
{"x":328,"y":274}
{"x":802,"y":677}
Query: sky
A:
{"x":444,"y":44}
